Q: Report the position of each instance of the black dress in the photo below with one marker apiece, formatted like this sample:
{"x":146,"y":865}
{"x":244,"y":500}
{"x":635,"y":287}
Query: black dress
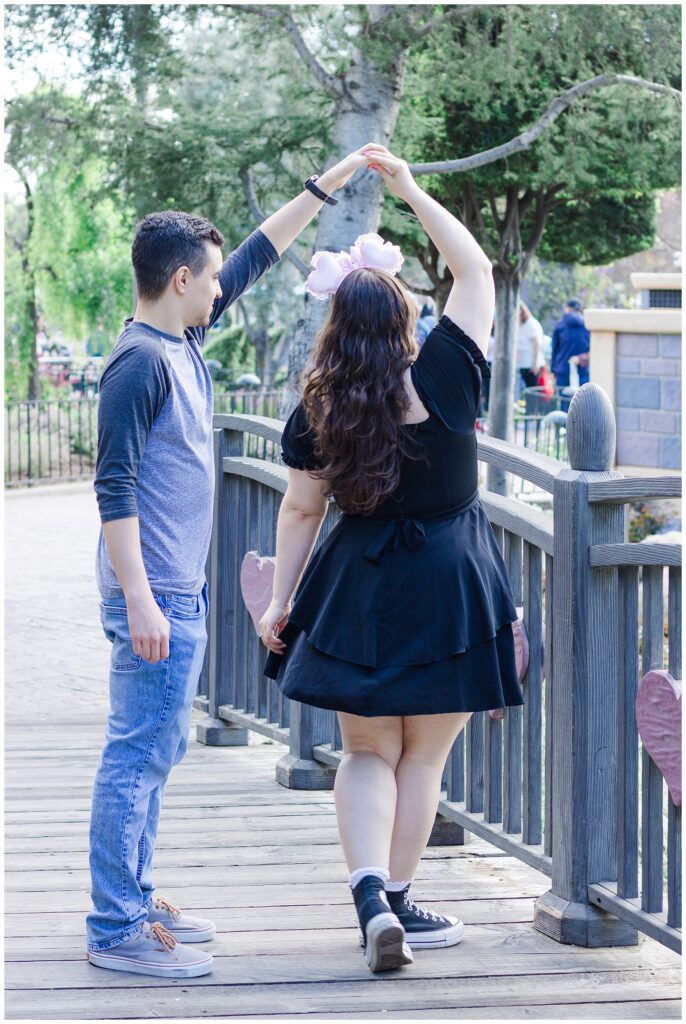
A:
{"x":408,"y":611}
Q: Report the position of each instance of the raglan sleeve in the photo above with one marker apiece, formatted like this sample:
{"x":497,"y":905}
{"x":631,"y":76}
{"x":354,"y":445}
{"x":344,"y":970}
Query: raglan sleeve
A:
{"x":133,"y":389}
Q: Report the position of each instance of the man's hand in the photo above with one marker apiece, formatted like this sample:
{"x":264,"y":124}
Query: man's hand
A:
{"x":149,"y":629}
{"x":338,"y":175}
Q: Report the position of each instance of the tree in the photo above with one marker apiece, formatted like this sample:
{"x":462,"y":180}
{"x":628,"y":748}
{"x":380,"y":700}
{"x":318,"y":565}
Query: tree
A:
{"x":73,"y":250}
{"x":596,"y":161}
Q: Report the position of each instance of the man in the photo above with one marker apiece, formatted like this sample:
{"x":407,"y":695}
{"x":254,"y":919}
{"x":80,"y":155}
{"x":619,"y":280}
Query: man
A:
{"x":571,"y":339}
{"x":154,"y":484}
{"x":529,"y":347}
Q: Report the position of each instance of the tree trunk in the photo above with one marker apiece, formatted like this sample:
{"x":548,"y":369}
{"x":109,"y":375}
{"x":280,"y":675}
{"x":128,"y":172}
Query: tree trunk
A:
{"x":33,"y":390}
{"x":500,"y":410}
{"x":366,"y":112}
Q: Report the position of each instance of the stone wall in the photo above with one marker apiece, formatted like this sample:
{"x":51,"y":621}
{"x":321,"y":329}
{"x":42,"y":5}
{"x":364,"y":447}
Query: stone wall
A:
{"x":648,"y":400}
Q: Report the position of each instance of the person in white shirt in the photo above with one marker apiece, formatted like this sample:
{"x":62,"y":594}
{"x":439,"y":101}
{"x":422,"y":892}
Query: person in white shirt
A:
{"x":529,"y":346}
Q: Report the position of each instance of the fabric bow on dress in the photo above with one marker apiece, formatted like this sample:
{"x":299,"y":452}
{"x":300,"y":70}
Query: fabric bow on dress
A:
{"x":404,"y":528}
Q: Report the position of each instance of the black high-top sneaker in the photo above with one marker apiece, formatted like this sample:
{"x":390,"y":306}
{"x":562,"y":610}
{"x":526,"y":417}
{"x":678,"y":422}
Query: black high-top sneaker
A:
{"x":384,"y":943}
{"x":423,"y":928}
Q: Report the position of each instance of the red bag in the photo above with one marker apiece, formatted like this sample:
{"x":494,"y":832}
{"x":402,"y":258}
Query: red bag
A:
{"x":545,"y":381}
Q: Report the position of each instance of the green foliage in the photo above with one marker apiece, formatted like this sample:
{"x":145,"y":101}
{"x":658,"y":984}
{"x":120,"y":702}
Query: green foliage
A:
{"x":81,"y":253}
{"x":168,"y":104}
{"x":643,"y":522}
{"x":231,"y":347}
{"x":490,"y":75}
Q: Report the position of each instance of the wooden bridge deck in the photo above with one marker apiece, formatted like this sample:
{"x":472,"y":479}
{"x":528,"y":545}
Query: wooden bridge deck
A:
{"x":264,"y":862}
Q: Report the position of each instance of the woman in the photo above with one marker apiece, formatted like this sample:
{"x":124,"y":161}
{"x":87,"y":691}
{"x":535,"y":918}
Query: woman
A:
{"x":402,"y":620}
{"x":529,"y":347}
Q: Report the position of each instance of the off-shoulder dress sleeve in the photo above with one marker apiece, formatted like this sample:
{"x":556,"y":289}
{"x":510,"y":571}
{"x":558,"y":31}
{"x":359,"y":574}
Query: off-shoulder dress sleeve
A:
{"x":447,"y":375}
{"x":297,"y":441}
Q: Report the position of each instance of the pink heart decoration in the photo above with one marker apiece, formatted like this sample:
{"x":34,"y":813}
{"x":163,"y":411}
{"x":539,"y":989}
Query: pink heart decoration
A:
{"x":658,"y":716}
{"x":521,"y":643}
{"x":257,"y":582}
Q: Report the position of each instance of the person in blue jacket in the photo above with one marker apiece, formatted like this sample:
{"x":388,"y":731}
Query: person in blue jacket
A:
{"x":570,"y":338}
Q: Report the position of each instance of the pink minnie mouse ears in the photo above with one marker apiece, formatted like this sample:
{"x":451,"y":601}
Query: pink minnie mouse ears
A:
{"x":369,"y":251}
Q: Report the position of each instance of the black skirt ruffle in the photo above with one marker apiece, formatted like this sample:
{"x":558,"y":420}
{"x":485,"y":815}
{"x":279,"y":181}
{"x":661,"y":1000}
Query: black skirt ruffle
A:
{"x":402,"y":616}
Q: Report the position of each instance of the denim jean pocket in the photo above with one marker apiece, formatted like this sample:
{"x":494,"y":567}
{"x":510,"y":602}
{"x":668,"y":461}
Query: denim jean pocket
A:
{"x":125,"y":660}
{"x":186,"y":606}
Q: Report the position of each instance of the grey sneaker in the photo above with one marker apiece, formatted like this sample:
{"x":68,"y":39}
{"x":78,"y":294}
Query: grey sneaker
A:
{"x":182,"y":927}
{"x":154,"y":951}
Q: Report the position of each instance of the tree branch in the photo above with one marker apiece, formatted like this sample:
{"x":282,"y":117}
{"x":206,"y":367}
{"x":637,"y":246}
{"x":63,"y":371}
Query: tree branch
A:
{"x":283,"y":16}
{"x":249,"y":330}
{"x":527,"y":138}
{"x":430,"y":26}
{"x":254,"y":206}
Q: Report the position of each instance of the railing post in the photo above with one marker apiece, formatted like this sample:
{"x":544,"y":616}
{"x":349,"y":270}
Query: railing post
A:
{"x":224,"y":592}
{"x":297,"y":769}
{"x":584,"y":650}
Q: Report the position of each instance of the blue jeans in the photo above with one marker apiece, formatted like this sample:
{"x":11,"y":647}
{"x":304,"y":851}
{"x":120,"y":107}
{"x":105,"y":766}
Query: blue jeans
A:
{"x":147,"y":734}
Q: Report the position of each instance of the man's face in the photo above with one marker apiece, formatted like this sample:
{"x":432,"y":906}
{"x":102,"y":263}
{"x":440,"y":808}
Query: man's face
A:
{"x":203,"y":289}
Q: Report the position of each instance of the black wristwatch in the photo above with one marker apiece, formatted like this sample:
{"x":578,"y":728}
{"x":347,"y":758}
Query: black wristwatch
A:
{"x":311,"y":187}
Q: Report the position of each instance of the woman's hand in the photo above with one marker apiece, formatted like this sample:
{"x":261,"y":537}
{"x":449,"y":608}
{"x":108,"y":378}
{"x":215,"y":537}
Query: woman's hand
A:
{"x":271,"y":624}
{"x":394,"y":171}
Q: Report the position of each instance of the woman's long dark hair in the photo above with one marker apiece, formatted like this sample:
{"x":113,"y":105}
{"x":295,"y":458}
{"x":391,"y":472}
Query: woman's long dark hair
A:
{"x":354,"y":397}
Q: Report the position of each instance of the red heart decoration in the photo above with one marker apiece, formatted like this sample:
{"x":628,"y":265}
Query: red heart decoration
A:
{"x":658,"y":716}
{"x":257,"y":583}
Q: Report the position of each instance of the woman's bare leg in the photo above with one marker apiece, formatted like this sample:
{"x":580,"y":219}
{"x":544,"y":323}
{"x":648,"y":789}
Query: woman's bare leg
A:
{"x":365,"y":788}
{"x":426,"y":743}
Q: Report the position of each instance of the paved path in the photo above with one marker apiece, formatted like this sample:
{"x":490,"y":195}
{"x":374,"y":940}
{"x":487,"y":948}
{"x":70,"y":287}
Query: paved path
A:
{"x":264,"y":862}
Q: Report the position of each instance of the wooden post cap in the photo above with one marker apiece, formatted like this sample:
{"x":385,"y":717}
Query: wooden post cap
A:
{"x":591,"y":430}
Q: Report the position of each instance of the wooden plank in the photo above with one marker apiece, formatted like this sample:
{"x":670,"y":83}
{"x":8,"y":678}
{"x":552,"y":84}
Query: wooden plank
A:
{"x":530,"y":524}
{"x":645,"y":553}
{"x":627,"y":734}
{"x":474,"y":763}
{"x":512,"y":722}
{"x":33,"y":914}
{"x":653,"y":924}
{"x":652,"y":781}
{"x":273,"y":819}
{"x":653,"y":1009}
{"x":481,"y":953}
{"x":531,"y":824}
{"x":365,"y":993}
{"x":258,"y":426}
{"x":674,"y":622}
{"x":523,"y":462}
{"x":548,"y":669}
{"x":673,"y":864}
{"x":629,"y":489}
{"x":269,"y":474}
{"x":337,"y":960}
{"x":493,"y":769}
{"x":266,"y":867}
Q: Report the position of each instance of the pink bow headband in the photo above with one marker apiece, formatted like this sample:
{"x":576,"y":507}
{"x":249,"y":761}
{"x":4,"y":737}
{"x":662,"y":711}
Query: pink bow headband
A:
{"x":369,"y":251}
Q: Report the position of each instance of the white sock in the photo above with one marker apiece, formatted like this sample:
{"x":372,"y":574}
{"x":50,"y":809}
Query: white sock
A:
{"x":356,"y":876}
{"x":397,"y":886}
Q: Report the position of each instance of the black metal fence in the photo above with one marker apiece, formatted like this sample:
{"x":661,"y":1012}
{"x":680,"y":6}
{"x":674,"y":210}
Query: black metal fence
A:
{"x":56,"y":441}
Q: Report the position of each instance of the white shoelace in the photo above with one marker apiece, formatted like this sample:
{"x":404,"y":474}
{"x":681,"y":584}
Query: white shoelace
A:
{"x":420,"y":911}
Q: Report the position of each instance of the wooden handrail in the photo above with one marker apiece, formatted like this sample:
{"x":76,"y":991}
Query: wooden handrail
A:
{"x":634,"y":489}
{"x":651,"y":553}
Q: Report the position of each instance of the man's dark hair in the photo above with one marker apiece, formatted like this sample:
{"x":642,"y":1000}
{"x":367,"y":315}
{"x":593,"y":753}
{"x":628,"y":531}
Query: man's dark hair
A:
{"x":166,"y":241}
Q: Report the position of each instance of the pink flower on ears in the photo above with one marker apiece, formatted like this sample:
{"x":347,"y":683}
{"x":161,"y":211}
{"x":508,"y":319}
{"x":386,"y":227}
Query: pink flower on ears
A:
{"x":369,"y":251}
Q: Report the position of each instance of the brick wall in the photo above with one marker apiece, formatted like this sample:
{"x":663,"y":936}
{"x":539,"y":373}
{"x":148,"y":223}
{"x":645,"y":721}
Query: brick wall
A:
{"x":648,"y":400}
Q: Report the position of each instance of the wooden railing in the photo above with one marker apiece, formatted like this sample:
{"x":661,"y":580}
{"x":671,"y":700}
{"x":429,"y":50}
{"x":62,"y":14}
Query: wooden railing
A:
{"x":555,"y":782}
